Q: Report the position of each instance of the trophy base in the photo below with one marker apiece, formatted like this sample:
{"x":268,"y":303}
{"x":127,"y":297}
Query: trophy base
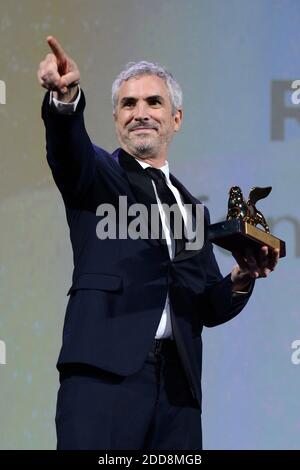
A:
{"x":237,"y":235}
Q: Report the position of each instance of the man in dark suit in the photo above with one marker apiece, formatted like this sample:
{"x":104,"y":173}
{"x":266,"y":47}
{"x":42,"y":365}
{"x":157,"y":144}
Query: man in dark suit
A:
{"x":130,"y":363}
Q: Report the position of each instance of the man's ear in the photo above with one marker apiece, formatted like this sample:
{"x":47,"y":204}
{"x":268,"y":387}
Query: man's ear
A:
{"x":178,"y":119}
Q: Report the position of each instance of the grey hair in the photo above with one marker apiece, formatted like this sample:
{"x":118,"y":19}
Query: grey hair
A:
{"x":136,"y":69}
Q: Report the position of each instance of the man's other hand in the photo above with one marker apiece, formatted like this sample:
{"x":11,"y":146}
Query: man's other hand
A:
{"x":252,"y":267}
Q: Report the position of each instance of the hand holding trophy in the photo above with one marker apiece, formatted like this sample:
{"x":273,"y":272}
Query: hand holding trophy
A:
{"x":255,"y":249}
{"x":240,"y":232}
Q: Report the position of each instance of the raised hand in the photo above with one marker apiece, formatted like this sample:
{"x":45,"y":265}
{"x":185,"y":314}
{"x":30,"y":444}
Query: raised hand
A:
{"x":58,"y":72}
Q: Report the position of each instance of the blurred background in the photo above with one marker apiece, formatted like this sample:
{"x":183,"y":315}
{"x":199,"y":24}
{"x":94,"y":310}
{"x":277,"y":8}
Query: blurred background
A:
{"x":236,"y":61}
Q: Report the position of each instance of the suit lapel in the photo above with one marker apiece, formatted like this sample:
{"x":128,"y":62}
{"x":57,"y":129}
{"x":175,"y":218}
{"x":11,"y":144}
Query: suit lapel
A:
{"x":140,"y":183}
{"x":141,"y":186}
{"x":187,"y":197}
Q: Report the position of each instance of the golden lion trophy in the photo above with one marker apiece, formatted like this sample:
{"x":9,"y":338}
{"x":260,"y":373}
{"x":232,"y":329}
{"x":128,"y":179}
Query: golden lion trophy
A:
{"x":240,"y":231}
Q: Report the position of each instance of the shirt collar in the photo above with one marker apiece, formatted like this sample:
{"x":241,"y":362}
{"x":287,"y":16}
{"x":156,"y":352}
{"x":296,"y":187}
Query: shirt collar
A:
{"x":164,"y":168}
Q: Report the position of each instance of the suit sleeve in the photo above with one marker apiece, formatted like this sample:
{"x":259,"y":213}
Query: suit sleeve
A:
{"x":70,"y":153}
{"x":219,"y":303}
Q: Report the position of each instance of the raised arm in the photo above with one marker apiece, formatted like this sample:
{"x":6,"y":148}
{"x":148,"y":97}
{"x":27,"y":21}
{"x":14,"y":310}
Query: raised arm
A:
{"x":70,"y":153}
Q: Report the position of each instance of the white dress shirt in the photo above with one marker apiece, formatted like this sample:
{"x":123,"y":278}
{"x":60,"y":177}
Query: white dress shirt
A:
{"x":164,"y":329}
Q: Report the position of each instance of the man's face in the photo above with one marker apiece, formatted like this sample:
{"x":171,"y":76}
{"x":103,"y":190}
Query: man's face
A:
{"x":143,"y":118}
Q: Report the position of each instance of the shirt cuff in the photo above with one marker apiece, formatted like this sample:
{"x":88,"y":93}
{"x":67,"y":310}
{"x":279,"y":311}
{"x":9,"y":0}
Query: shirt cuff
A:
{"x":62,"y":107}
{"x":237,"y":293}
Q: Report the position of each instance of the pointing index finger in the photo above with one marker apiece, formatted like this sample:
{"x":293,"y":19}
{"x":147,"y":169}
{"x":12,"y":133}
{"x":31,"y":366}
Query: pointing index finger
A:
{"x":56,"y":48}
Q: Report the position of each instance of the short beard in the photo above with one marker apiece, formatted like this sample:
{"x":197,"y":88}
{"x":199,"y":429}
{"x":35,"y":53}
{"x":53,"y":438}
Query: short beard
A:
{"x":142,"y":150}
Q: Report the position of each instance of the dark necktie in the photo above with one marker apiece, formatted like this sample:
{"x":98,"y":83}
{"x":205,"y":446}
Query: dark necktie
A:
{"x":167,"y":197}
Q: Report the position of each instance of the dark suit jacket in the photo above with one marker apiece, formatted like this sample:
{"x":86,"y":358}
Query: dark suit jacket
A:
{"x":120,"y":285}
